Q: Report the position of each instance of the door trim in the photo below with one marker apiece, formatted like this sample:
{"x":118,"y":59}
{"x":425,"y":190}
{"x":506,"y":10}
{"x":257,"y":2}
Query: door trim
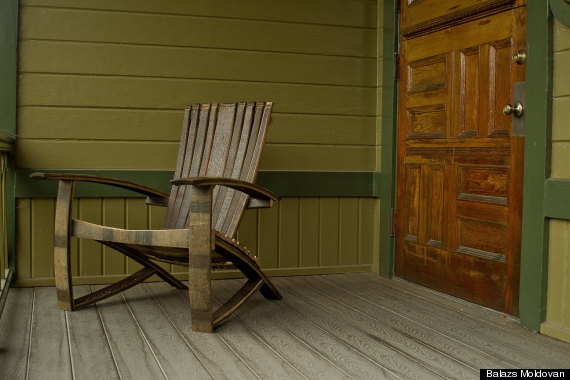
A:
{"x":389,"y":152}
{"x":537,"y":165}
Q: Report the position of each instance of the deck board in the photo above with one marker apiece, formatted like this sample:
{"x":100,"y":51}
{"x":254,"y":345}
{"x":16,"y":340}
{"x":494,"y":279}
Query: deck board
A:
{"x":331,"y":327}
{"x":90,"y":351}
{"x":131,"y":352}
{"x":15,"y":333}
{"x":49,"y":356}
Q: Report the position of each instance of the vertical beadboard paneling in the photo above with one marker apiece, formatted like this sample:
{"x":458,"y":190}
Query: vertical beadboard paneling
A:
{"x":268,"y":237}
{"x":349,"y":225}
{"x":24,"y":238}
{"x":309,"y":220}
{"x":42,"y":237}
{"x":368,"y":229}
{"x":289,"y":233}
{"x":329,"y":232}
{"x":297,"y":233}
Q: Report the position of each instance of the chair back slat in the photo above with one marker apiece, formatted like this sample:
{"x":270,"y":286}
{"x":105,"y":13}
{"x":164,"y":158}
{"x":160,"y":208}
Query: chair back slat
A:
{"x":219,"y":141}
{"x":249,"y":168}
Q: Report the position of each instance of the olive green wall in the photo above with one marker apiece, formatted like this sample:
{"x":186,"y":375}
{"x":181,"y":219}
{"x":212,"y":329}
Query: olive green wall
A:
{"x":105,"y":81}
{"x":557,"y":322}
{"x":102,"y":85}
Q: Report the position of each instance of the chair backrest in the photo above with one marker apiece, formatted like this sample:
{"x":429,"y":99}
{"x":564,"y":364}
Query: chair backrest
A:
{"x":222,"y":140}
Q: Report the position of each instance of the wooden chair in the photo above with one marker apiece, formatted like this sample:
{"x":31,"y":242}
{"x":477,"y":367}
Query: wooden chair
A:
{"x":217,"y":164}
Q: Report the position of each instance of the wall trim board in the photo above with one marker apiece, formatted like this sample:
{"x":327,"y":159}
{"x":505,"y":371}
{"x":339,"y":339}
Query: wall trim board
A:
{"x":555,"y":331}
{"x":387,"y":182}
{"x":284,"y":183}
{"x":8,"y":101}
{"x":556,"y":200}
{"x":537,"y":164}
{"x":221,"y":274}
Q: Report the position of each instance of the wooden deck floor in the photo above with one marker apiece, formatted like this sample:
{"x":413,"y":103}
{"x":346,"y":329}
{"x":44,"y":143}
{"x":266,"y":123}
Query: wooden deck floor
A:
{"x":327,"y":327}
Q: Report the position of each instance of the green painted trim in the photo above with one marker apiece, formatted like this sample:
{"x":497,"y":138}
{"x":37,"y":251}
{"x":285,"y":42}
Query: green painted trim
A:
{"x":216,"y":275}
{"x":318,"y":184}
{"x":8,"y":65}
{"x":561,"y":10}
{"x":537,"y":164}
{"x":556,"y":200}
{"x":8,"y":102}
{"x":387,"y":183}
{"x":284,"y":183}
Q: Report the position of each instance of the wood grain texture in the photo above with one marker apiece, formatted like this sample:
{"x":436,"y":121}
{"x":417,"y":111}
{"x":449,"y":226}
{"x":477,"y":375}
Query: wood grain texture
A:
{"x":15,"y":328}
{"x":309,"y":362}
{"x":48,"y":329}
{"x":130,"y":348}
{"x":170,"y":348}
{"x":410,"y":343}
{"x":459,"y":204}
{"x":327,"y":326}
{"x":89,"y":348}
{"x":212,"y":351}
{"x":515,"y":348}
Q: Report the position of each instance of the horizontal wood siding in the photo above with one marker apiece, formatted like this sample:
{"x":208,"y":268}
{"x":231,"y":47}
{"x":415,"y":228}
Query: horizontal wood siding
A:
{"x":557,"y":322}
{"x":105,"y":82}
{"x":297,"y":236}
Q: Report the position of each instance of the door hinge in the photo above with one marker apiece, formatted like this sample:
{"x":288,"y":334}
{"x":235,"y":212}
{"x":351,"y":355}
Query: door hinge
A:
{"x":392,"y":222}
{"x":396,"y":66}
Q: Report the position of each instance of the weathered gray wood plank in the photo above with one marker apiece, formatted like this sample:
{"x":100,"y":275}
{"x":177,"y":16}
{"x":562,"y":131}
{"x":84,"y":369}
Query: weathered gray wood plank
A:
{"x":329,"y":341}
{"x":493,"y":318}
{"x":49,"y":356}
{"x":265,"y":362}
{"x":218,"y":358}
{"x":508,"y":345}
{"x":90,"y":351}
{"x":366,"y":331}
{"x":336,"y":326}
{"x":457,"y":350}
{"x":303,"y":357}
{"x":130,"y":349}
{"x":15,"y":333}
{"x":173,"y":353}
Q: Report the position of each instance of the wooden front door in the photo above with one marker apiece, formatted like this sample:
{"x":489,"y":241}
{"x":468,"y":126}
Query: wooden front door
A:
{"x":460,"y":169}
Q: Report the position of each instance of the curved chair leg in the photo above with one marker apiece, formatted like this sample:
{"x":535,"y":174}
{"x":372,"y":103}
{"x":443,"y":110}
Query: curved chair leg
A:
{"x":61,"y":253}
{"x":257,"y":280}
{"x":235,"y":253}
{"x":141,"y":259}
{"x":246,"y":291}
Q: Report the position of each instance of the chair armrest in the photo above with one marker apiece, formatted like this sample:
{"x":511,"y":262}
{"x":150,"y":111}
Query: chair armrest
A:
{"x":250,"y":189}
{"x":145,"y":190}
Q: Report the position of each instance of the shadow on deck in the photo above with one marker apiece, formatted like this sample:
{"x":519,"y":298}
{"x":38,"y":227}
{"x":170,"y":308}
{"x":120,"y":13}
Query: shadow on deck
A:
{"x":327,"y":327}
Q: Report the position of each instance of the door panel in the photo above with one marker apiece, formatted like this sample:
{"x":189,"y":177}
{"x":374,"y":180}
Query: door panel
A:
{"x":459,"y":192}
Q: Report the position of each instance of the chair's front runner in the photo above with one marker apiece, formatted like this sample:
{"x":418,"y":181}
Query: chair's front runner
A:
{"x":217,"y":164}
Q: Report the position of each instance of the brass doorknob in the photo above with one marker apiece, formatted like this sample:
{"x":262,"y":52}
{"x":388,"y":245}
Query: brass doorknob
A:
{"x":519,"y":57}
{"x":515,"y":110}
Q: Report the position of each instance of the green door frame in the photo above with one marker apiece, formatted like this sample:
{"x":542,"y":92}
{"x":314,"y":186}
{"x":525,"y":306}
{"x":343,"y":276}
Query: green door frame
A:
{"x":8,"y":102}
{"x":534,"y":255}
